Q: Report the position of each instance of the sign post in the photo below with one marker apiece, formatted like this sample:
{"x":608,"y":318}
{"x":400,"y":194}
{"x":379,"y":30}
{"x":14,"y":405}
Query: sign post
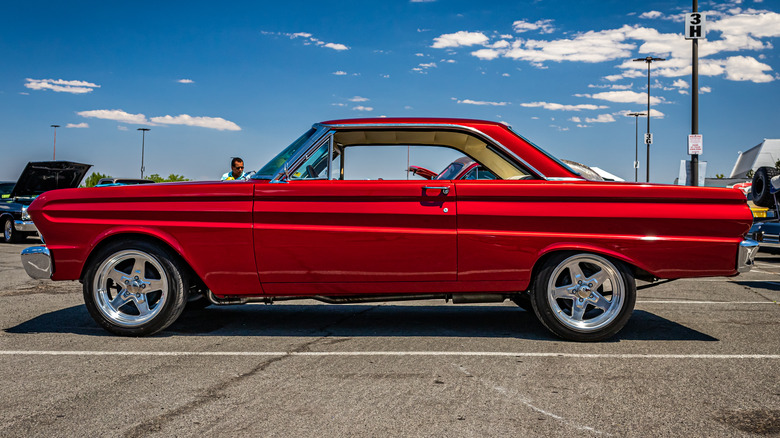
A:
{"x":694,"y":30}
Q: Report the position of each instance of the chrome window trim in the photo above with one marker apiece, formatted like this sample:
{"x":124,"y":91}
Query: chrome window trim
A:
{"x":314,"y":140}
{"x":451,"y":125}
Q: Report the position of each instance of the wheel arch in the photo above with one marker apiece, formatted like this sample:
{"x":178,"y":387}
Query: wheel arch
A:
{"x":639,"y":271}
{"x":165,"y":241}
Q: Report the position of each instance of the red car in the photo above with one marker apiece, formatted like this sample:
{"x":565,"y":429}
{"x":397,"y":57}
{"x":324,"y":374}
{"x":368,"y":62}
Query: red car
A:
{"x":335,"y":217}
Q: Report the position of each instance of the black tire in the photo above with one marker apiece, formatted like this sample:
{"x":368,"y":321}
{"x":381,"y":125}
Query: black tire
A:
{"x":10,"y":235}
{"x":761,"y":185}
{"x":128,"y":302}
{"x":583,"y":297}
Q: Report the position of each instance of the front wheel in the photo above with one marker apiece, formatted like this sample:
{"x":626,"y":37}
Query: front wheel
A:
{"x":10,"y":235}
{"x":135,"y":288}
{"x":583,"y":296}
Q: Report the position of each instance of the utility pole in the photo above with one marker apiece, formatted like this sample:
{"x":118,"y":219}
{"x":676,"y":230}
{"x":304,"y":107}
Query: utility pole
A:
{"x":648,"y":135}
{"x":54,"y":155}
{"x":636,"y":143}
{"x":143,"y":138}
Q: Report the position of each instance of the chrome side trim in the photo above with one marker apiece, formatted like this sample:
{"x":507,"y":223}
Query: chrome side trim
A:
{"x":746,"y":254}
{"x":37,"y":262}
{"x":450,"y":125}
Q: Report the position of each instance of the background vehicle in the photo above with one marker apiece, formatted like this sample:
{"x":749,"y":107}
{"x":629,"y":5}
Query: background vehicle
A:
{"x":36,"y":178}
{"x":108,"y":182}
{"x":334,"y":217}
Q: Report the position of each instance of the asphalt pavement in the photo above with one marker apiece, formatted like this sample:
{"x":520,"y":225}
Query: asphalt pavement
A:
{"x":698,"y":358}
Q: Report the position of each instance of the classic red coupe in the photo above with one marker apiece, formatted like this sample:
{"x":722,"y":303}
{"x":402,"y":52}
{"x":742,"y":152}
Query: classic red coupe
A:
{"x":338,"y":217}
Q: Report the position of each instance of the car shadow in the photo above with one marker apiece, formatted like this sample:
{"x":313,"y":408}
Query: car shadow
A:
{"x":768,"y":285}
{"x":361,"y":320}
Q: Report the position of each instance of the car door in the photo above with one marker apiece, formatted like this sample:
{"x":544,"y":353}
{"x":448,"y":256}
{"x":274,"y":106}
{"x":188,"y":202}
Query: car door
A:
{"x":354,"y":235}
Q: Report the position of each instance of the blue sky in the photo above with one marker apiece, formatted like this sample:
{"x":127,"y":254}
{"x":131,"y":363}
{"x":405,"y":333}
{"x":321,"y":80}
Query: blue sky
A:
{"x":219,"y":79}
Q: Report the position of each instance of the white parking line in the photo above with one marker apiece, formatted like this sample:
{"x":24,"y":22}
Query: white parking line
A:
{"x":701,"y":302}
{"x":386,"y":353}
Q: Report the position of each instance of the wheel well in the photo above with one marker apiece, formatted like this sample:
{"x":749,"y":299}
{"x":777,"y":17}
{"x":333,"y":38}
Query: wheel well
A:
{"x":638,"y":273}
{"x":138,"y":236}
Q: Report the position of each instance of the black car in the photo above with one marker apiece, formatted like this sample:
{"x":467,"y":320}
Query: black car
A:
{"x":36,"y":178}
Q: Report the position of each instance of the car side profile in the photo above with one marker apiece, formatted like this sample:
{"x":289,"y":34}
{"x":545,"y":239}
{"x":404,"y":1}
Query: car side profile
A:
{"x":336,"y":217}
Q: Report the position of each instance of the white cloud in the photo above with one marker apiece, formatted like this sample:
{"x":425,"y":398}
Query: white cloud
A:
{"x":576,"y":120}
{"x":309,"y":39}
{"x":185,"y":81}
{"x":704,"y":90}
{"x":651,"y":14}
{"x":340,"y":73}
{"x":77,"y":125}
{"x":561,"y":107}
{"x":543,"y":26}
{"x":116,"y":115}
{"x":482,"y":102}
{"x":746,"y":68}
{"x":363,"y":108}
{"x":625,"y":96}
{"x":217,"y":123}
{"x":358,"y":99}
{"x":459,"y":39}
{"x":729,"y":30}
{"x":119,"y":115}
{"x":122,"y":128}
{"x":601,"y":118}
{"x":428,"y":65}
{"x":679,"y":83}
{"x":61,"y":85}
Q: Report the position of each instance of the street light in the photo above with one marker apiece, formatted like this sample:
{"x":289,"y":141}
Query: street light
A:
{"x":648,"y":60}
{"x":636,"y":142}
{"x":143,"y":139}
{"x":54,"y":156}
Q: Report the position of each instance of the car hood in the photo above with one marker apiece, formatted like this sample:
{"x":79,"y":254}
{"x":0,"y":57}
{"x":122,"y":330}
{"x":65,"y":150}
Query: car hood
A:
{"x":41,"y":176}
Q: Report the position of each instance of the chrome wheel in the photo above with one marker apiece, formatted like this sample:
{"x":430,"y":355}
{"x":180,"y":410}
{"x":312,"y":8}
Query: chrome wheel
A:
{"x":8,"y":230}
{"x":586,"y":292}
{"x":130,"y":288}
{"x":583,"y":296}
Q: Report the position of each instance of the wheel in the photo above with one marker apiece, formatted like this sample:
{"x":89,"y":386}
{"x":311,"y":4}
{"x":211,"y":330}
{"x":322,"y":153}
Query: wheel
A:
{"x":583,"y":296}
{"x":761,"y":185}
{"x":10,"y":235}
{"x":135,"y":288}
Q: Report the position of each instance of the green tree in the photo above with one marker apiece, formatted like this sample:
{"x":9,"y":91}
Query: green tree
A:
{"x":171,"y":178}
{"x":749,"y":174}
{"x":93,"y":179}
{"x":719,"y":176}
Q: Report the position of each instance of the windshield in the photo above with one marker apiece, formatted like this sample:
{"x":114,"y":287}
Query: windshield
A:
{"x":276,"y":163}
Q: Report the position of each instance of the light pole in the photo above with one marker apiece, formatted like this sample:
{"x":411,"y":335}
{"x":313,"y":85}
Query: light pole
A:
{"x":648,"y":60}
{"x":143,"y":139}
{"x":636,"y":143}
{"x":54,"y":155}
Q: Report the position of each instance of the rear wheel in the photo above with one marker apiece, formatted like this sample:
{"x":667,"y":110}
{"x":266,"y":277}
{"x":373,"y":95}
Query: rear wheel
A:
{"x":135,"y":288}
{"x":583,"y":296}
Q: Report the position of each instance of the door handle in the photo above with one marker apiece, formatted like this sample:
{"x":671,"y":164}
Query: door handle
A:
{"x":444,"y":190}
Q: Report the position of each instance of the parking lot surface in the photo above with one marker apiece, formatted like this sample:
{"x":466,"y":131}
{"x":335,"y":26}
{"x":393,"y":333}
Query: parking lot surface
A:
{"x":698,"y":358}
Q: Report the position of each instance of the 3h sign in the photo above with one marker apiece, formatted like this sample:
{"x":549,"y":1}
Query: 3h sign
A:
{"x":694,"y":26}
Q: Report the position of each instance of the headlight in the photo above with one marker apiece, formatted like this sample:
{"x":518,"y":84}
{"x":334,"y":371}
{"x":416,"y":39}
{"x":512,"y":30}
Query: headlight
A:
{"x":25,"y":216}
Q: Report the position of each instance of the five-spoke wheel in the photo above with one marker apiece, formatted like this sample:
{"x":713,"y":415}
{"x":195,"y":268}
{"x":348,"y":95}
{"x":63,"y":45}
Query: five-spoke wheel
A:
{"x":584,"y":296}
{"x":135,"y":288}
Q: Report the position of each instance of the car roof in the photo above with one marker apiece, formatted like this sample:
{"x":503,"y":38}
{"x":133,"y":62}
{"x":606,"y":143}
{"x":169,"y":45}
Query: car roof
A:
{"x":411,"y":121}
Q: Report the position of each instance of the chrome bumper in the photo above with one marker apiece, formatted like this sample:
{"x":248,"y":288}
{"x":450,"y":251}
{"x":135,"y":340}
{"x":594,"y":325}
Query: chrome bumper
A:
{"x":37,"y":262}
{"x":747,"y":252}
{"x":25,"y":226}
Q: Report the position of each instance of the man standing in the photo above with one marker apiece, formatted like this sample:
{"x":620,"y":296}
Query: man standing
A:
{"x":236,"y":170}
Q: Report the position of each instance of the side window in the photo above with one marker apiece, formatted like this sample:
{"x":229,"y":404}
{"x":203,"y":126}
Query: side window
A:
{"x":479,"y":172}
{"x":315,"y":165}
{"x":396,"y":162}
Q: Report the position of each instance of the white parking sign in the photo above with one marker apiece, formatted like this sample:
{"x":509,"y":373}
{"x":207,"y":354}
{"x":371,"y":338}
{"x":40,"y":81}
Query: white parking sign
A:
{"x":695,"y":144}
{"x":694,"y":26}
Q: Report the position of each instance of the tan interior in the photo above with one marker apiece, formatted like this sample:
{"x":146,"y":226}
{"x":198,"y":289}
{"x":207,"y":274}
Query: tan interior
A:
{"x":461,"y":141}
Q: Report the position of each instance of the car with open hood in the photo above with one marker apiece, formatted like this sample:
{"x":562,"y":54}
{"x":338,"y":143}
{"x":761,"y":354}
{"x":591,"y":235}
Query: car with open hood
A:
{"x":36,"y":178}
{"x":337,"y":217}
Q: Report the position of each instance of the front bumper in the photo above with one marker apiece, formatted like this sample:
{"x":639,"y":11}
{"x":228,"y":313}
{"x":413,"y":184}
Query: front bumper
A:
{"x":25,"y":226}
{"x":37,"y":262}
{"x":746,"y":254}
